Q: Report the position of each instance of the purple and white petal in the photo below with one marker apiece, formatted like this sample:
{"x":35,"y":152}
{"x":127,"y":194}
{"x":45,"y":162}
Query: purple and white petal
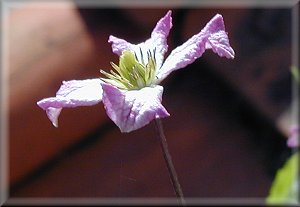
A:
{"x":72,"y":94}
{"x":140,"y":50}
{"x":212,"y":36}
{"x":157,"y":42}
{"x":131,"y":110}
{"x":53,"y":114}
{"x":159,"y":37}
{"x":119,"y":45}
{"x":218,"y":40}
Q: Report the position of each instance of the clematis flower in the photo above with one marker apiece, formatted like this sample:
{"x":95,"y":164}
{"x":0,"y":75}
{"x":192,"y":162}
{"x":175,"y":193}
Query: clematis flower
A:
{"x":131,"y":93}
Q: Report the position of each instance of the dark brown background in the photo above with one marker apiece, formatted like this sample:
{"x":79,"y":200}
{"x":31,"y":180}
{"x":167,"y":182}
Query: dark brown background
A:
{"x":222,"y":132}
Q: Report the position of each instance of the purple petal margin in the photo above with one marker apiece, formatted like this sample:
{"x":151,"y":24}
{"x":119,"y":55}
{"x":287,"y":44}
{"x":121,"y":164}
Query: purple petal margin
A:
{"x":72,"y":94}
{"x":212,"y":36}
{"x":131,"y":110}
{"x":157,"y":42}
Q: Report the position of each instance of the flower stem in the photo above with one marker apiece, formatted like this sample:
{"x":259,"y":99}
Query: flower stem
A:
{"x":169,"y":163}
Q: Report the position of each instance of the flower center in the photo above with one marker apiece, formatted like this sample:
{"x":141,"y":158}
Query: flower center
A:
{"x":132,"y":74}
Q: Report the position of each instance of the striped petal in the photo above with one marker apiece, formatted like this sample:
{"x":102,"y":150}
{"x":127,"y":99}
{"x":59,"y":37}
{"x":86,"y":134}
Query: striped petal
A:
{"x":157,"y":43}
{"x":212,"y":36}
{"x":131,"y":110}
{"x":72,"y":94}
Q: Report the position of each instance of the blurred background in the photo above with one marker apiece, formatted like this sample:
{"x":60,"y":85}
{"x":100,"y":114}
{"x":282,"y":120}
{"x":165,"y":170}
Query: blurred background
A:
{"x":229,"y":118}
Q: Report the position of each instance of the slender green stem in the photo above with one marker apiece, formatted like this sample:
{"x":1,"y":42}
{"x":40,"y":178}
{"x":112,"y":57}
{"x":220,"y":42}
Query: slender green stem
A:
{"x":169,"y":163}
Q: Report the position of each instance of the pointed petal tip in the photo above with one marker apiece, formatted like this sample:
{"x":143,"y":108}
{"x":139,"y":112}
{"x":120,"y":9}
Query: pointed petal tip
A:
{"x":164,"y":114}
{"x":43,"y":103}
{"x":72,"y":94}
{"x":110,"y":38}
{"x":215,"y":24}
{"x":218,"y":16}
{"x":39,"y":103}
{"x":169,"y":13}
{"x":230,"y":53}
{"x":53,"y":114}
{"x":55,"y":123}
{"x":218,"y":37}
{"x":219,"y":22}
{"x":106,"y":86}
{"x":118,"y":44}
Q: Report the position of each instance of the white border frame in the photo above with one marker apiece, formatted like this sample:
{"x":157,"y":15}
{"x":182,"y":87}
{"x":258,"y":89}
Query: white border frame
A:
{"x":5,"y":7}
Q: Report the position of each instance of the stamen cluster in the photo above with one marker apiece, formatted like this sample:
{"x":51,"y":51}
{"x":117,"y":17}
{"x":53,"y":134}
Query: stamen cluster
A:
{"x":132,"y":74}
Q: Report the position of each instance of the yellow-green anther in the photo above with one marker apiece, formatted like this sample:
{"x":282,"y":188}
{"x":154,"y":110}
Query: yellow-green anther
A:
{"x":131,"y":74}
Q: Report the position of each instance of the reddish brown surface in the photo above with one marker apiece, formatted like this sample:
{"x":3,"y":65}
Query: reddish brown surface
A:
{"x":47,"y":45}
{"x":214,"y":157}
{"x":215,"y":152}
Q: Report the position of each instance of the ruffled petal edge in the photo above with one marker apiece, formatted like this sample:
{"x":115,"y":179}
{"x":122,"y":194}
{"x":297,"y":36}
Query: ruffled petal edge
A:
{"x":212,"y":36}
{"x":72,"y":94}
